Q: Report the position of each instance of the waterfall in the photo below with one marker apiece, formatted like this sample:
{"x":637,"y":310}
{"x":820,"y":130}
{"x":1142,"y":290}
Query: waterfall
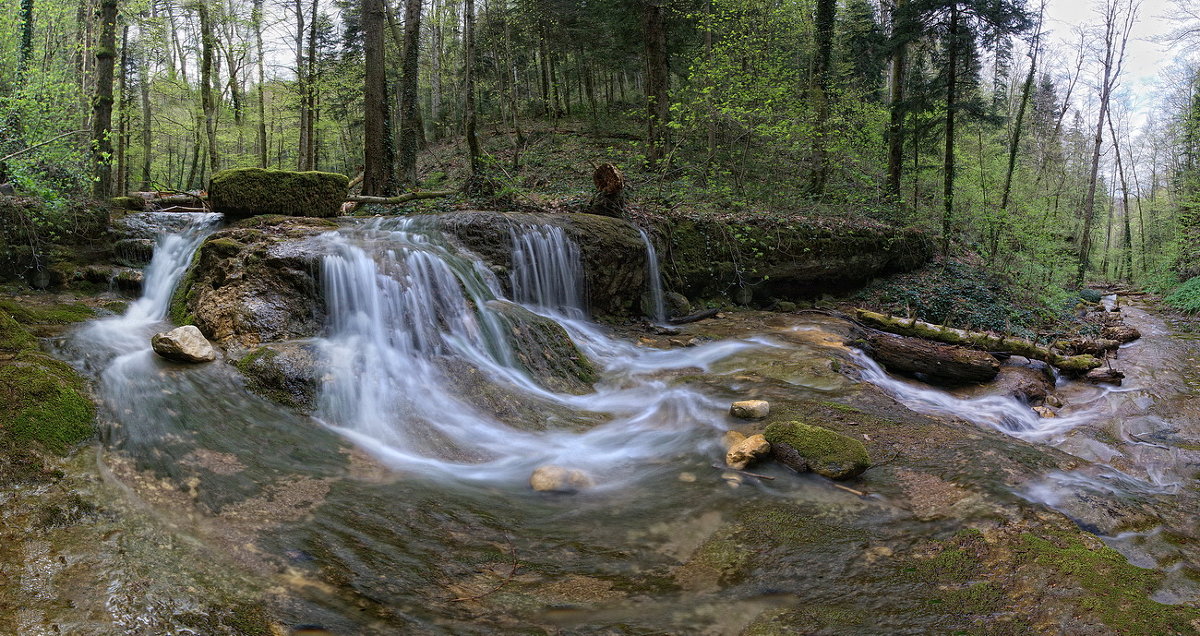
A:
{"x":172,"y":255}
{"x":547,"y":272}
{"x":654,"y":279}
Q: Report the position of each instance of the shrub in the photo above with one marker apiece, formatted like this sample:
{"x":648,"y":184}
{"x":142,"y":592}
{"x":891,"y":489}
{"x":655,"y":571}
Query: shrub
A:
{"x":1186,"y":297}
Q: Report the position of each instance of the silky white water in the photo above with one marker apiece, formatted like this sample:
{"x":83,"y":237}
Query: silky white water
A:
{"x":404,"y":308}
{"x":658,"y":306}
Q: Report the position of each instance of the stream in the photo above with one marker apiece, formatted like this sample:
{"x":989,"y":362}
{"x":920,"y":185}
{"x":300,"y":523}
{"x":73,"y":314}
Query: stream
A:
{"x":400,"y":505}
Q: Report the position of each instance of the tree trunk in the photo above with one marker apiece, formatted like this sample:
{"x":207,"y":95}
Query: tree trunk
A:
{"x":896,"y":107}
{"x":147,"y":123}
{"x":257,"y":20}
{"x":207,"y":100}
{"x":469,"y":87}
{"x":121,"y":182}
{"x":658,"y":105}
{"x":825,"y":17}
{"x":377,"y":143}
{"x":102,"y":103}
{"x":932,"y":362}
{"x":952,"y":46}
{"x":25,"y":52}
{"x":310,"y":92}
{"x":408,"y":93}
{"x":1015,"y":140}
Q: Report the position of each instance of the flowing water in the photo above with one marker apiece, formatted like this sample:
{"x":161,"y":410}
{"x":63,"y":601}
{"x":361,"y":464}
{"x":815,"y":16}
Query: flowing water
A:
{"x":402,"y":504}
{"x":654,"y":281}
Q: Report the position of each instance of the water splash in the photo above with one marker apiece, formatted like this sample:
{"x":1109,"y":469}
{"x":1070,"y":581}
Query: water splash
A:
{"x":654,"y":280}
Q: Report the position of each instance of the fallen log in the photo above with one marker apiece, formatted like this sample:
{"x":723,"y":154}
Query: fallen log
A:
{"x":403,"y":198}
{"x":1071,"y":365}
{"x":700,"y":315}
{"x":932,"y":362}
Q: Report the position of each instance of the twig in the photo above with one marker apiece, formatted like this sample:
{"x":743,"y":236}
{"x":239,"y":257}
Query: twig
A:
{"x":39,"y":145}
{"x":743,"y":472}
{"x":848,"y":489}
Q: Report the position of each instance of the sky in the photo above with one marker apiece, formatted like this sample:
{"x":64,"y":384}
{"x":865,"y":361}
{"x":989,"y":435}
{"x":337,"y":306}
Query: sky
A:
{"x":1146,"y":58}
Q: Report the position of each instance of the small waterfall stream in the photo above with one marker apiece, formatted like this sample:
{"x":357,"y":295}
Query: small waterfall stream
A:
{"x":654,"y":280}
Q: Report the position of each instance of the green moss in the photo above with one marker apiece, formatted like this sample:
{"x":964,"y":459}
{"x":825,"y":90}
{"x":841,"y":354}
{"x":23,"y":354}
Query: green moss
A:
{"x":828,"y":453}
{"x":56,"y":314}
{"x":1076,"y":365}
{"x":979,"y":598}
{"x":12,"y":336}
{"x":243,"y":192}
{"x":128,"y":203}
{"x":182,"y":296}
{"x":44,"y":401}
{"x":1118,"y":592}
{"x":838,"y":406}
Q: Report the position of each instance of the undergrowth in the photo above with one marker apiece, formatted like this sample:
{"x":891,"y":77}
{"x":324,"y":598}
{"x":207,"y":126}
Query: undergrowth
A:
{"x":1186,"y":297}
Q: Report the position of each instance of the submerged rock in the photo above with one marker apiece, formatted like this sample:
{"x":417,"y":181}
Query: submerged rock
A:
{"x":750,"y":409}
{"x":1044,"y":412}
{"x":802,"y":448}
{"x":285,"y":372}
{"x":245,"y":192}
{"x":552,"y":478}
{"x":747,"y":451}
{"x":545,"y":349}
{"x":183,"y":344}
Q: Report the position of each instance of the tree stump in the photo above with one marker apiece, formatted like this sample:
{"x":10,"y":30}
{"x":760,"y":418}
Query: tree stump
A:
{"x":609,"y":199}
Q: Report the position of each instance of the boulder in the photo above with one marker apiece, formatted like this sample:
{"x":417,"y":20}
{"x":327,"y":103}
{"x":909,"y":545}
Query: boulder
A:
{"x":1044,"y":412}
{"x":245,"y":192}
{"x":285,"y":372}
{"x":750,"y":409}
{"x":782,"y":256}
{"x":747,"y":451}
{"x":552,"y":478}
{"x":1121,"y":333}
{"x":677,"y":304}
{"x":183,"y":344}
{"x":133,"y":252}
{"x":545,"y":349}
{"x":731,"y":439}
{"x":257,"y":281}
{"x":802,"y":448}
{"x":1030,"y":384}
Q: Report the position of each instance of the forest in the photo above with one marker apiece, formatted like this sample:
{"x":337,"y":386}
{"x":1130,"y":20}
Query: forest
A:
{"x":960,"y":117}
{"x":720,"y":317}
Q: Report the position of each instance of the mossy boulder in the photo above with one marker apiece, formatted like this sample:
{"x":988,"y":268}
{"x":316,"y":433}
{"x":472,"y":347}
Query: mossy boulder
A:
{"x":246,"y":192}
{"x":543,"y":347}
{"x":255,"y":282}
{"x":128,"y":203}
{"x":803,"y":447}
{"x":758,"y":259}
{"x":284,"y":372}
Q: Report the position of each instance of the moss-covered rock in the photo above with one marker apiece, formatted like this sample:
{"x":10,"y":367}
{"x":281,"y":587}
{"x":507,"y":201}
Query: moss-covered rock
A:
{"x":283,"y":372}
{"x":543,"y":347}
{"x":255,"y":282}
{"x":128,"y":203}
{"x":245,"y":192}
{"x":45,"y":402}
{"x":756,"y":257}
{"x":825,"y":452}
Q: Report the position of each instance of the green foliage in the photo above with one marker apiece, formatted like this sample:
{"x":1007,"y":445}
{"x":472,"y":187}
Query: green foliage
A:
{"x":1090,"y":295}
{"x":1186,"y":297}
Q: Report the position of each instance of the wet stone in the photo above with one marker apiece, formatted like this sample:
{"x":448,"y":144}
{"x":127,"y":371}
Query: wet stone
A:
{"x":551,"y":478}
{"x":750,"y":409}
{"x":183,"y":344}
{"x":747,"y":452}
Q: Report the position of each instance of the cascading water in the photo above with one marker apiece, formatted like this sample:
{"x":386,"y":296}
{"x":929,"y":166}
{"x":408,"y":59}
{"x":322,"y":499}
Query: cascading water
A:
{"x":654,"y":280}
{"x":547,"y":272}
{"x":404,"y":307}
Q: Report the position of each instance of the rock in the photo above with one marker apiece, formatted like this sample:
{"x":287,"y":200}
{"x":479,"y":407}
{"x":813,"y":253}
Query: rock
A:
{"x":750,"y":409}
{"x":284,"y":372}
{"x":183,"y":344}
{"x":677,"y":304}
{"x":1044,"y":412}
{"x":747,"y":451}
{"x":1054,"y":401}
{"x":785,"y":306}
{"x":135,"y":252}
{"x":1104,"y":375}
{"x":1030,"y":384}
{"x":551,"y":478}
{"x":731,"y":439}
{"x":687,"y":478}
{"x":245,"y":192}
{"x":1121,"y":333}
{"x":545,"y":349}
{"x":257,"y":281}
{"x":733,"y":480}
{"x":801,"y":258}
{"x":828,"y":453}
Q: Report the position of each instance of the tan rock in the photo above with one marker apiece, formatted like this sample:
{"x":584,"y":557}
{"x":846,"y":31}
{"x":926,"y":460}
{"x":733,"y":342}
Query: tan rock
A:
{"x":731,"y":439}
{"x":747,"y":451}
{"x":551,"y":478}
{"x":183,"y":344}
{"x":1044,"y":411}
{"x":750,"y":409}
{"x":1054,"y":400}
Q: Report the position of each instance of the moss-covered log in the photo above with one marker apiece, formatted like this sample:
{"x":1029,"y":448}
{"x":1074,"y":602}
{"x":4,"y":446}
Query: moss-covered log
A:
{"x":1071,"y":365}
{"x":932,"y":362}
{"x":245,"y":192}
